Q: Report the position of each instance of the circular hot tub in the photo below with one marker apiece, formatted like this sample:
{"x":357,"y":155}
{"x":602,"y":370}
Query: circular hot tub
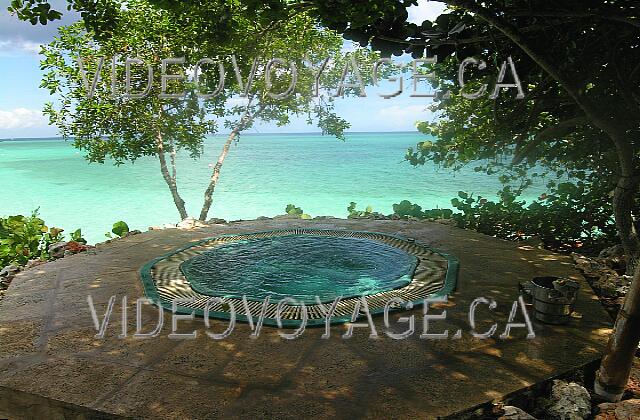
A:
{"x":306,"y":268}
{"x":310,"y":267}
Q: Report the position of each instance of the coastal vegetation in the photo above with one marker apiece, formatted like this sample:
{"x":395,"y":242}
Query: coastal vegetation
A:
{"x":120,"y":229}
{"x":25,"y":238}
{"x":571,"y":217}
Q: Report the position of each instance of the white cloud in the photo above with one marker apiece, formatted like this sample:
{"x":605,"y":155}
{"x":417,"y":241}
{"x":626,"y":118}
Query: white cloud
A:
{"x":19,"y":45}
{"x":425,"y":10}
{"x":22,"y":118}
{"x":18,"y":37}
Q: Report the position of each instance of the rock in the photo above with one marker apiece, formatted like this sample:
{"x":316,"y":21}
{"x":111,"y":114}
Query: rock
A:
{"x":187,"y":223}
{"x":603,"y":273}
{"x":613,"y":257}
{"x":515,"y":413}
{"x":132,"y":233}
{"x":376,"y":216}
{"x":589,"y":267}
{"x":612,"y":285}
{"x":191,"y":223}
{"x":448,"y":222}
{"x":216,"y":221}
{"x":5,"y":282}
{"x":155,"y":228}
{"x":33,"y":263}
{"x":623,"y":410}
{"x":569,"y":401}
{"x":324,"y":218}
{"x":9,"y":271}
{"x":57,"y":250}
{"x":169,"y":226}
{"x":263,"y":218}
{"x":616,"y":251}
{"x":633,"y":386}
{"x":74,"y":247}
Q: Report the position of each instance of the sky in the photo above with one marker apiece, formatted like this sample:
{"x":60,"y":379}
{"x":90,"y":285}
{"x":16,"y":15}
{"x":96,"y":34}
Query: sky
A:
{"x":21,"y":99}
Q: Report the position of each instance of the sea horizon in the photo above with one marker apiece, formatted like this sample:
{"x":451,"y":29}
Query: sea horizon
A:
{"x":261,"y":176}
{"x":227,"y":133}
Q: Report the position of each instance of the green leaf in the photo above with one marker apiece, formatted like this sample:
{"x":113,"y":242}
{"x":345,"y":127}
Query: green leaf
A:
{"x":120,"y":228}
{"x":291,"y":209}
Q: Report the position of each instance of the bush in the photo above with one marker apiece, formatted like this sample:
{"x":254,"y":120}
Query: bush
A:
{"x":296,"y":211}
{"x":291,"y":209}
{"x":406,"y":209}
{"x":24,"y":238}
{"x":120,"y":228}
{"x":76,"y":236}
{"x":570,"y":216}
{"x":355,"y":214}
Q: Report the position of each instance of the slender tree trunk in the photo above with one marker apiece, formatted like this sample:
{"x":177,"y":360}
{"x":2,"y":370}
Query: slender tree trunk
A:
{"x":245,"y":122}
{"x":623,"y":202}
{"x":170,"y":179}
{"x":213,"y":181}
{"x":613,"y":375}
{"x":615,"y":367}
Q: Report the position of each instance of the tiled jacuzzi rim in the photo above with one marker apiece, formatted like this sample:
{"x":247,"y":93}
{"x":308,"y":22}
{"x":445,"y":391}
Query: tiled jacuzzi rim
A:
{"x":150,"y":289}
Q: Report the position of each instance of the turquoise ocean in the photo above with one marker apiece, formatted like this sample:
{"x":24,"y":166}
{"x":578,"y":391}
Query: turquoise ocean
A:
{"x":262,"y":174}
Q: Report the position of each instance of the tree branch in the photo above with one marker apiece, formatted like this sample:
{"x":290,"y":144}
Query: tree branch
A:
{"x":553,"y":132}
{"x":564,"y":14}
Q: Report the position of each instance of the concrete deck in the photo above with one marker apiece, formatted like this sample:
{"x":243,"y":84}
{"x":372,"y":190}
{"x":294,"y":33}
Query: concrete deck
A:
{"x":51,"y":366}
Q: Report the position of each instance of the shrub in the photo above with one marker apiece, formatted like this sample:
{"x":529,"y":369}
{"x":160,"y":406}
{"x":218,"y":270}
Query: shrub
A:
{"x":24,"y":238}
{"x":291,"y":209}
{"x":120,"y":229}
{"x":355,"y":213}
{"x":406,"y":209}
{"x":296,"y":211}
{"x":76,"y":236}
{"x":570,"y":216}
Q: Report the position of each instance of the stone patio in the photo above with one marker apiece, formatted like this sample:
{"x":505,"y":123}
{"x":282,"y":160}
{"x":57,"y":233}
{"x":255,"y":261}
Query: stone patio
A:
{"x":51,"y":366}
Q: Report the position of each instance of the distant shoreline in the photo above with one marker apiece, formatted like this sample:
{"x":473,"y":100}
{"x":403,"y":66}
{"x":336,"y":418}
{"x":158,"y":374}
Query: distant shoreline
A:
{"x":315,"y":133}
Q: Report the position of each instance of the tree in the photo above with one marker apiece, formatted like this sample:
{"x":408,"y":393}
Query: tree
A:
{"x":126,"y":128}
{"x":113,"y":126}
{"x":580,"y":114}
